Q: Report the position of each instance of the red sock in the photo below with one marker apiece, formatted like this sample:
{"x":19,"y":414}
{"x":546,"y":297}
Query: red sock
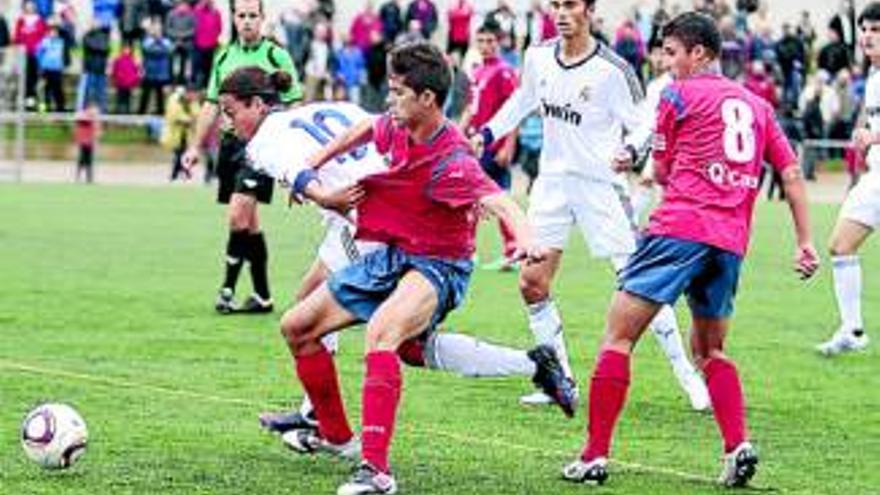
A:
{"x":318,"y":376}
{"x":607,"y":397}
{"x":728,"y":403}
{"x":381,"y":395}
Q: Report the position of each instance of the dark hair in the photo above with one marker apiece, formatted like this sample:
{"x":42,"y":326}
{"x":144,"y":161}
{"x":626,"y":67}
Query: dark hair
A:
{"x":246,"y":82}
{"x":490,"y":26}
{"x":871,"y":12}
{"x":692,"y":29}
{"x":422,"y":67}
{"x":233,"y":32}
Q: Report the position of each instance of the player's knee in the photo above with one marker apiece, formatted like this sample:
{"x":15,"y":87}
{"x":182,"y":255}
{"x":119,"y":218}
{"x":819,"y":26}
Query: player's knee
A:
{"x":703,"y":356}
{"x":534,"y":287}
{"x":295,"y":327}
{"x":381,"y":339}
{"x":839,"y":247}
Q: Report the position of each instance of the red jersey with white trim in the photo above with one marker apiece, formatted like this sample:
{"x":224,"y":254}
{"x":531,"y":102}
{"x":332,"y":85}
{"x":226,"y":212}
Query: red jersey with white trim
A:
{"x":712,"y":138}
{"x":427,"y":202}
{"x":493,"y":83}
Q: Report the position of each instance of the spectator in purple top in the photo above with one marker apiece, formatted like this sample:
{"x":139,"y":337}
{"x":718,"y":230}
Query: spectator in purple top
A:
{"x":425,"y":12}
{"x":209,"y":25}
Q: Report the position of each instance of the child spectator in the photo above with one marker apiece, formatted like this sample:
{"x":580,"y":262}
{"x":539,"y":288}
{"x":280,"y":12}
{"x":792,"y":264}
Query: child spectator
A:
{"x":126,"y":73}
{"x":318,"y":80}
{"x":180,"y":118}
{"x":156,"y":51}
{"x":531,"y":139}
{"x":50,"y":57}
{"x":350,"y":68}
{"x":86,"y":131}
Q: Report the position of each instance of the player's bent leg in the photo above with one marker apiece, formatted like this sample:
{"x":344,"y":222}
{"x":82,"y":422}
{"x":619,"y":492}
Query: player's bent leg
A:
{"x":846,"y":239}
{"x":402,"y":316}
{"x":728,"y":402}
{"x":471,"y":357}
{"x":304,"y":417}
{"x":664,"y":326}
{"x":665,"y":329}
{"x":303,"y":326}
{"x":628,"y":317}
{"x":544,"y":319}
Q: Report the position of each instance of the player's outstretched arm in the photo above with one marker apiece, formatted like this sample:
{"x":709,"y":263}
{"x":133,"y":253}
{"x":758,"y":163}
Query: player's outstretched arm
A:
{"x":505,"y":208}
{"x":357,"y":135}
{"x":806,"y":257}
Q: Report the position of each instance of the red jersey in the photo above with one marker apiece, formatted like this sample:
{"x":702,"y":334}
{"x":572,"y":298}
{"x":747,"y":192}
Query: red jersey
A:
{"x":493,"y":83}
{"x":427,"y":202}
{"x":712,"y":138}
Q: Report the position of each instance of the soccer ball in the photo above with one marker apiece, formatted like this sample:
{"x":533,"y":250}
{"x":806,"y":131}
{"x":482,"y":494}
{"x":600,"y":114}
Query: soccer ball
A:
{"x":54,"y":436}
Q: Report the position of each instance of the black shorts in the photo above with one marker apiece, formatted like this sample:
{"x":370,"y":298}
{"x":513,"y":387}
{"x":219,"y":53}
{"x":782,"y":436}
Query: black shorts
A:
{"x":235,"y":176}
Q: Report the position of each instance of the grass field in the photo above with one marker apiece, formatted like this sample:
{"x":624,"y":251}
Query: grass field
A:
{"x":106,"y":303}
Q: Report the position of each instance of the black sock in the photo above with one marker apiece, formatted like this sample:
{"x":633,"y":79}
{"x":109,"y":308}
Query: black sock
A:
{"x":236,"y":252}
{"x":258,"y":256}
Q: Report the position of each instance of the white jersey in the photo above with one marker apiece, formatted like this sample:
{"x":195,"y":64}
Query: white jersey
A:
{"x":652,"y":102}
{"x":286,"y":139}
{"x":872,"y":116}
{"x":587,"y":109}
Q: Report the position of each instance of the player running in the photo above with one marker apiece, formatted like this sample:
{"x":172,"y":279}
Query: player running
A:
{"x":249,"y":97}
{"x":240,"y":186}
{"x":712,"y":138}
{"x":588,"y":97}
{"x":860,"y":213}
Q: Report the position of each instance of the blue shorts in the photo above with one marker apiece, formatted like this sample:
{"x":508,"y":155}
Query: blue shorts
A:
{"x":365,"y":284}
{"x":662,"y":268}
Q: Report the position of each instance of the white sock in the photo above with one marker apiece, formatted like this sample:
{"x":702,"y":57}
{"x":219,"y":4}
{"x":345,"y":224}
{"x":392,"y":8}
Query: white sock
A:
{"x":665,"y":328}
{"x":848,"y":289}
{"x":331,"y":342}
{"x":546,"y":326}
{"x":467,"y":356}
{"x":305,"y":407}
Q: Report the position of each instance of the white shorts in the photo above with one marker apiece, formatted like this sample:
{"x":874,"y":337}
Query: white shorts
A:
{"x":602,"y":210}
{"x":339,"y":248}
{"x":863,"y":202}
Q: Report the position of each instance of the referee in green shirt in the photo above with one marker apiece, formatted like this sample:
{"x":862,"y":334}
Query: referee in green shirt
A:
{"x":240,"y":186}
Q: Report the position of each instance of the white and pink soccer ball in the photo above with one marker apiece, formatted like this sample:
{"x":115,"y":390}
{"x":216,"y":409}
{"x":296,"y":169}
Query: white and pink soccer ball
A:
{"x":54,"y":436}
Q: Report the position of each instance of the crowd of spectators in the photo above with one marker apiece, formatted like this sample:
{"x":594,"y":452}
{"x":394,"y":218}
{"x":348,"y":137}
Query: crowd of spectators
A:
{"x":148,"y":47}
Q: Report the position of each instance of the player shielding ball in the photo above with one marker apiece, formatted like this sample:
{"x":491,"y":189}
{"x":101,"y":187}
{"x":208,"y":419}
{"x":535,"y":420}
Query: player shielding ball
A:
{"x":860,"y":213}
{"x":424,"y":211}
{"x":712,"y":137}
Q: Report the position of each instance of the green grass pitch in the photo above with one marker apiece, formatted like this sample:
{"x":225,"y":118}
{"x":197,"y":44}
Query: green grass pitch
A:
{"x":106,"y":300}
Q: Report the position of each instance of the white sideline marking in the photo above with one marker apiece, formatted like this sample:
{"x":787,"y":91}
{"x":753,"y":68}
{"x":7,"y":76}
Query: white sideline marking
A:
{"x":120,"y":383}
